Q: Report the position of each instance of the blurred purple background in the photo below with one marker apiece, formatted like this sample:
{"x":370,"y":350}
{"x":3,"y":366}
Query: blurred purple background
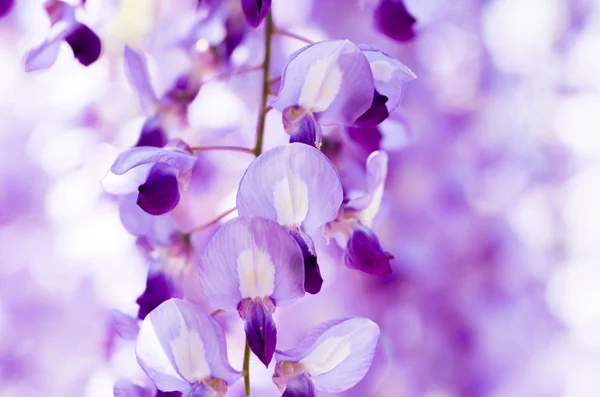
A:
{"x":491,"y":207}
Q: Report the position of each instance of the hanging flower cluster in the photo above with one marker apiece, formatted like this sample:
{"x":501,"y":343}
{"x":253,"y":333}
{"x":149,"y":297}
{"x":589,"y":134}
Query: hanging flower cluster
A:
{"x":289,"y":197}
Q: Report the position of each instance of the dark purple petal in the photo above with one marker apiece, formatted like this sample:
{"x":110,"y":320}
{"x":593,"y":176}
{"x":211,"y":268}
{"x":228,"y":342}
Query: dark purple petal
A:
{"x":261,"y":332}
{"x":367,"y":138}
{"x":158,"y":289}
{"x":376,"y":114}
{"x":302,"y":126}
{"x":393,"y":19}
{"x":168,"y":394}
{"x":364,"y":253}
{"x":160,"y":193}
{"x":300,"y":386}
{"x":6,"y":6}
{"x":236,"y":31}
{"x":312,"y":274}
{"x":85,"y":44}
{"x":152,"y":134}
{"x":255,"y":11}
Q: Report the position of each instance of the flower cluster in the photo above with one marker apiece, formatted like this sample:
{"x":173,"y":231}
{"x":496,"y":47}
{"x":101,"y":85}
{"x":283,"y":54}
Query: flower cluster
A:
{"x":288,"y":197}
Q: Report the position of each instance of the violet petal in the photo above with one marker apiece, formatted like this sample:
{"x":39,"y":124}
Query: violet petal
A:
{"x":255,"y":11}
{"x":336,"y":354}
{"x":393,"y":19}
{"x":160,"y":193}
{"x":312,"y":274}
{"x":261,"y":332}
{"x":86,"y":45}
{"x":136,"y":70}
{"x":251,"y":257}
{"x":304,"y":130}
{"x":364,"y":253}
{"x":6,"y":6}
{"x":376,"y":114}
{"x":152,"y":134}
{"x":158,"y":289}
{"x":300,"y":386}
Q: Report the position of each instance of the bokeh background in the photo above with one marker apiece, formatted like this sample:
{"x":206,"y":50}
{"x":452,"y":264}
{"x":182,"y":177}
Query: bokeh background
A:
{"x":491,"y":206}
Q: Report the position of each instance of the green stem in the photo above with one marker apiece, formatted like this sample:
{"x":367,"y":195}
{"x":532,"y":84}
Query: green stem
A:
{"x":266,"y":89}
{"x":247,"y":368}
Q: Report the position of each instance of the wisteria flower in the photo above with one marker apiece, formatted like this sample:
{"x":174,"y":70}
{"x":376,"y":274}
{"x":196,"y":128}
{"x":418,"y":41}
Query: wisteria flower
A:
{"x":325,"y":83}
{"x":255,"y":11}
{"x":393,"y":19}
{"x":338,"y":82}
{"x":169,"y":110}
{"x":181,"y":348}
{"x":86,"y":45}
{"x":332,"y":358}
{"x":353,"y":225}
{"x":6,"y":6}
{"x":127,"y":388}
{"x":296,"y":186}
{"x":157,"y":174}
{"x":252,"y":265}
{"x":390,"y":76}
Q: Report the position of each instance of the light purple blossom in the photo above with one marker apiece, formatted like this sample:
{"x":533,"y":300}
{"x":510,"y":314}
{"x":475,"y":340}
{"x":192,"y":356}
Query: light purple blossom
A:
{"x":352,"y":228}
{"x":84,"y":43}
{"x":332,"y":358}
{"x":296,"y":186}
{"x":252,"y":265}
{"x":157,"y":174}
{"x":181,"y":348}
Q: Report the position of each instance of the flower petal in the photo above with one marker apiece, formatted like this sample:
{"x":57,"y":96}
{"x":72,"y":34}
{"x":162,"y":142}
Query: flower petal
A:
{"x":159,"y":194}
{"x":300,"y":386}
{"x":136,"y":70}
{"x":312,"y":274}
{"x":158,"y":290}
{"x":125,"y":326}
{"x":337,"y":354}
{"x":152,"y":134}
{"x":200,"y":390}
{"x":6,"y":6}
{"x":43,"y":56}
{"x":179,"y":345}
{"x":255,"y":11}
{"x":376,"y":114}
{"x":86,"y":45}
{"x":304,"y":129}
{"x":280,"y":184}
{"x":390,"y":75}
{"x":367,"y":206}
{"x":251,"y":257}
{"x":261,"y":332}
{"x":137,"y":156}
{"x":126,"y":388}
{"x":363,"y":252}
{"x":393,"y":19}
{"x":329,"y":78}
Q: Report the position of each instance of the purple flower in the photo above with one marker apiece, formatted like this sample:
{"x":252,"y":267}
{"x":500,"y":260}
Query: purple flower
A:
{"x":255,"y":11}
{"x":159,"y":288}
{"x":84,"y":43}
{"x":171,"y":106}
{"x":156,"y":173}
{"x":393,"y":19}
{"x":281,"y":183}
{"x":251,"y":265}
{"x":338,"y":82}
{"x":332,"y":358}
{"x":390,"y":76}
{"x":329,"y":82}
{"x":353,"y":225}
{"x":181,"y":348}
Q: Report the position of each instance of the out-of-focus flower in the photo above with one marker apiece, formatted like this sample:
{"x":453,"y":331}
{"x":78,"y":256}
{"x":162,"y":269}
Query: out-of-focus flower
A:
{"x":256,"y":11}
{"x":280,"y":184}
{"x":156,"y":173}
{"x":6,"y":6}
{"x":393,"y":19}
{"x":252,"y":265}
{"x":181,"y":348}
{"x":353,"y":225}
{"x":86,"y":45}
{"x":332,"y":358}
